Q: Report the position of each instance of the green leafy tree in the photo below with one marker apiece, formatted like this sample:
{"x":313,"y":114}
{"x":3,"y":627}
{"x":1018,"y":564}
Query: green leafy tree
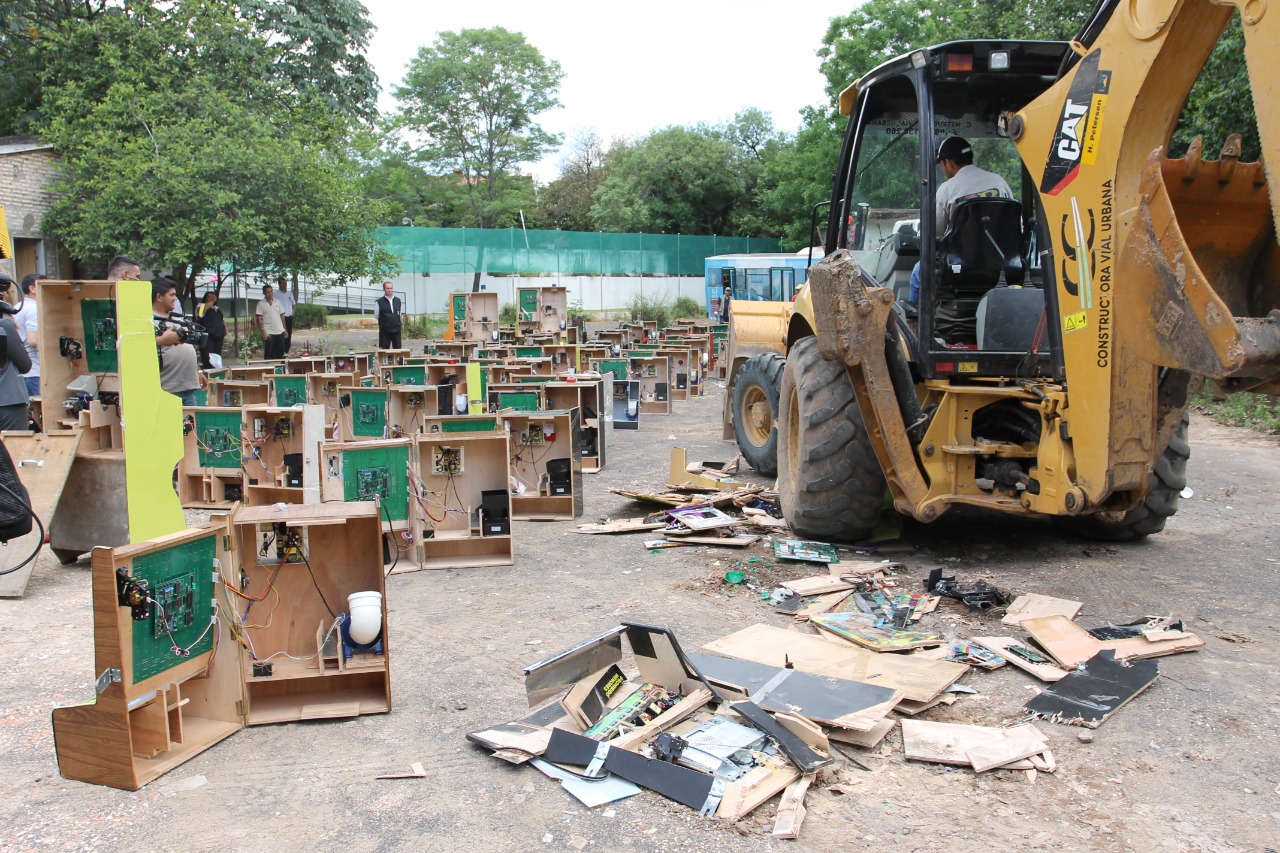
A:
{"x":468,"y":110}
{"x":1221,"y":103}
{"x":183,"y":145}
{"x":677,"y":180}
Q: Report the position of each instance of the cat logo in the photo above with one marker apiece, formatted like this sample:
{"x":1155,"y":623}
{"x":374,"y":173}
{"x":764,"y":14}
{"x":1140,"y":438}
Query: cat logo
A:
{"x":1079,"y":125}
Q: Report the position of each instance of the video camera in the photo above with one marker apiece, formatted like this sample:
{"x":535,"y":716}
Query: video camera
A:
{"x":189,"y":332}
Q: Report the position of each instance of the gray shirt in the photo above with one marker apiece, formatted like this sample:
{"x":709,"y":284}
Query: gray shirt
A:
{"x":179,"y":367}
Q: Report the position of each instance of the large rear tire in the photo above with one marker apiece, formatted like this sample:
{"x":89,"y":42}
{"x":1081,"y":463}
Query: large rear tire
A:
{"x":1170,"y":477}
{"x":755,"y":411}
{"x":829,"y":481}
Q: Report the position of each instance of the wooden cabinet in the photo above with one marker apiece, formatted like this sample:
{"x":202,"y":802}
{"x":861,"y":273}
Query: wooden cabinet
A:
{"x":185,"y":627}
{"x":461,"y":498}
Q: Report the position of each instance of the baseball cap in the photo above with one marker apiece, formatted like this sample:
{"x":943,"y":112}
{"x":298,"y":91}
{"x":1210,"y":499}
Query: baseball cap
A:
{"x":952,"y":148}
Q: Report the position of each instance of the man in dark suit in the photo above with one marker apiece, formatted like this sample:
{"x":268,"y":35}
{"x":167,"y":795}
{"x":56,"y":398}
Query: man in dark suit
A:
{"x":387,"y":312}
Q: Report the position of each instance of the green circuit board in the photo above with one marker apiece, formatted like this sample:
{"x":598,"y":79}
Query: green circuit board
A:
{"x":180,"y":581}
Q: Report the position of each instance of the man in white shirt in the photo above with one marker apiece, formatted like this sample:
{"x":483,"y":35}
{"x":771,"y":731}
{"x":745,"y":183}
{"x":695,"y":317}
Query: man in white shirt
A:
{"x":268,"y":317}
{"x":27,"y":322}
{"x":285,"y":298}
{"x":964,"y":181}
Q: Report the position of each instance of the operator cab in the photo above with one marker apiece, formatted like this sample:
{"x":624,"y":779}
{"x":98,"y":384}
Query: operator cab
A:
{"x":986,"y":300}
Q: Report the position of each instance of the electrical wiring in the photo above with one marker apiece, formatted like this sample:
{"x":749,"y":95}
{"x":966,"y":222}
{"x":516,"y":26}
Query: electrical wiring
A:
{"x":178,"y":650}
{"x":316,"y":585}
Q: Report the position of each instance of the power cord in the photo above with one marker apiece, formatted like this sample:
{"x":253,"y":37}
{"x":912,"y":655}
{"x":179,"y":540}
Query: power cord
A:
{"x":39,"y":526}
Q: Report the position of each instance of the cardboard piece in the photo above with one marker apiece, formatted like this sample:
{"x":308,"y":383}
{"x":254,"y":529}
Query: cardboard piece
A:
{"x":832,"y":701}
{"x":679,"y":475}
{"x":1034,"y":606}
{"x":1072,"y":645}
{"x":917,"y":679}
{"x":1002,"y":645}
{"x":1091,"y":694}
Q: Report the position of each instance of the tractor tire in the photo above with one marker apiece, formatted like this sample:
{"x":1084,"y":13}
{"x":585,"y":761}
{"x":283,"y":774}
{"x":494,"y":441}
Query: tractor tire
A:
{"x":1170,"y":475}
{"x":830,"y":483}
{"x":755,"y":411}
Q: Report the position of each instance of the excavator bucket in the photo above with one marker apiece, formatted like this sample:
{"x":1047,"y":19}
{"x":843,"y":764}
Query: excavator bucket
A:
{"x":1202,"y":260}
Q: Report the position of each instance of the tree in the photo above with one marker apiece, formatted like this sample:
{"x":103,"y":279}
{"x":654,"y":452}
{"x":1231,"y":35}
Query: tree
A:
{"x":306,"y":50}
{"x":468,"y":106}
{"x":184,"y":146}
{"x":566,"y":202}
{"x":677,"y":180}
{"x":1217,"y":104}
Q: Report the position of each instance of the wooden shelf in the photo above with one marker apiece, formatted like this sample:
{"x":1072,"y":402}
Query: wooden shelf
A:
{"x":326,"y":701}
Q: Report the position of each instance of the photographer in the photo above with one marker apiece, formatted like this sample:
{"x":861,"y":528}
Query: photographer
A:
{"x":180,"y":372}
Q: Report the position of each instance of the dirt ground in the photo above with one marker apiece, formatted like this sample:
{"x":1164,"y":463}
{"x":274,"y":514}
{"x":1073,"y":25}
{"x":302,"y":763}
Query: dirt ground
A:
{"x":1190,"y":765}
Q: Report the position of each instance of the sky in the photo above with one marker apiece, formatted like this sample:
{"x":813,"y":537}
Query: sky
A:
{"x":630,"y":70}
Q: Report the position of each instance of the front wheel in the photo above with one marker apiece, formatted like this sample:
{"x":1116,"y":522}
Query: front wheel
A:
{"x":1170,"y":475}
{"x":755,"y":411}
{"x":830,"y":483}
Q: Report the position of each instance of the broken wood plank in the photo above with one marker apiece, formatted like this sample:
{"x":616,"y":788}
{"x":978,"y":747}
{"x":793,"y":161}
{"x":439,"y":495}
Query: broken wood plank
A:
{"x":866,"y":740}
{"x":622,"y":525}
{"x":743,"y":795}
{"x":818,"y":585}
{"x":42,"y":462}
{"x":738,"y":540}
{"x":416,"y":771}
{"x":917,"y":679}
{"x":911,"y":709}
{"x":949,"y":743}
{"x":805,"y":729}
{"x":1000,"y":645}
{"x":791,"y":809}
{"x":1033,"y":606}
{"x":1071,"y":645}
{"x":984,"y":757}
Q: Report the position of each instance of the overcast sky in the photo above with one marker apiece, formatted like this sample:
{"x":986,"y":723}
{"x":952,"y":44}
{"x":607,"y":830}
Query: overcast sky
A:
{"x":634,"y":68}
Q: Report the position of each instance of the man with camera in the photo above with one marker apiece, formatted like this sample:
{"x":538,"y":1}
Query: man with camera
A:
{"x":176,"y":339}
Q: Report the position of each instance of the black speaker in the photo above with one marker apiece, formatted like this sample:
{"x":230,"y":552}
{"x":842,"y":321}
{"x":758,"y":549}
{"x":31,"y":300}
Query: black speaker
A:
{"x":293,"y":470}
{"x":495,"y":513}
{"x":559,"y":476}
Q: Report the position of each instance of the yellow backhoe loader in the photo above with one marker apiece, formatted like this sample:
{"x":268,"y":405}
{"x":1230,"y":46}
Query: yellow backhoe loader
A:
{"x":1045,"y":366}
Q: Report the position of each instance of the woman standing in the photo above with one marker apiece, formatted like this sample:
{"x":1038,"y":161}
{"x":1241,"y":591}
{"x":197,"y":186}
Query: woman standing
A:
{"x":210,"y":316}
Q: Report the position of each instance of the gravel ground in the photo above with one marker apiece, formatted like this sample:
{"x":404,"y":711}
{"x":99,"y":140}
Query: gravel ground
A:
{"x":1190,"y":765}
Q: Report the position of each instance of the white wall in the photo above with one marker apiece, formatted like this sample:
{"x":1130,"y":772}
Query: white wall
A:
{"x":430,"y":294}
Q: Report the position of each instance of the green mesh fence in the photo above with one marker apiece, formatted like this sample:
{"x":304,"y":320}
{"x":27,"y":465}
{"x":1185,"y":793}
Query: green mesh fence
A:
{"x":510,"y":251}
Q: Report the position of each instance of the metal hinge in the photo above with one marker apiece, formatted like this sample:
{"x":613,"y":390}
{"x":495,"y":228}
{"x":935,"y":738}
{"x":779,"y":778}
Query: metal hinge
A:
{"x":597,"y":761}
{"x":39,"y":463}
{"x":242,"y":707}
{"x":108,"y":677}
{"x":713,"y":798}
